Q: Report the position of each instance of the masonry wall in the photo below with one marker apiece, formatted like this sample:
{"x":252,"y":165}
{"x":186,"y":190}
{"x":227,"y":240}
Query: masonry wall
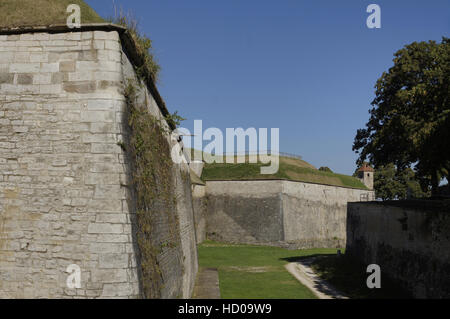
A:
{"x":64,"y":180}
{"x":277,"y":212}
{"x":178,"y":264}
{"x":315,"y":215}
{"x":244,"y":211}
{"x":200,"y":204}
{"x":409,"y":240}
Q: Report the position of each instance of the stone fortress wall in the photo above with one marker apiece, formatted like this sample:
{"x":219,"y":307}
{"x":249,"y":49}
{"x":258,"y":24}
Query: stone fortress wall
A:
{"x":65,"y":179}
{"x":64,"y":196}
{"x":278,"y":212}
{"x":409,"y":240}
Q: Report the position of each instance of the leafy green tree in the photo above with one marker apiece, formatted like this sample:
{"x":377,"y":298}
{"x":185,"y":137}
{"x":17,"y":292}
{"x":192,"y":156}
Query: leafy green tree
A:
{"x":325,"y":169}
{"x":389,"y":183}
{"x":409,"y":123}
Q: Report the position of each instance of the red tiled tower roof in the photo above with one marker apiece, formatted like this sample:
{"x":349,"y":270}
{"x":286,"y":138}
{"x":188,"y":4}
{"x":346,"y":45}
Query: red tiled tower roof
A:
{"x":365,"y":168}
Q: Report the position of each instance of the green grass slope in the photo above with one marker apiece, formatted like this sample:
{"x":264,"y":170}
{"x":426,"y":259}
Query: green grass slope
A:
{"x":26,"y":13}
{"x":289,"y":169}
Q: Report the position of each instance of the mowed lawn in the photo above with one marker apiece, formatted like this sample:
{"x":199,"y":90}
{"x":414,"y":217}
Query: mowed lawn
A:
{"x":255,"y":272}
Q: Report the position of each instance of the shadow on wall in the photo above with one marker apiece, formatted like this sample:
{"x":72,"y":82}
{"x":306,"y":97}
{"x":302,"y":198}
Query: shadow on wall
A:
{"x":244,"y":220}
{"x":409,"y":240}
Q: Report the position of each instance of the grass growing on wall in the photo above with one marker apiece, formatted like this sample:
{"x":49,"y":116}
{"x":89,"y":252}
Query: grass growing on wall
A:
{"x":153,"y":183}
{"x":149,"y":68}
{"x":25,"y":13}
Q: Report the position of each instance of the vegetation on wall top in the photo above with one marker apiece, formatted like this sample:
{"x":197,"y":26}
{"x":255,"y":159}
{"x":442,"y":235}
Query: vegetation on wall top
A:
{"x":148,"y":66}
{"x":144,"y":61}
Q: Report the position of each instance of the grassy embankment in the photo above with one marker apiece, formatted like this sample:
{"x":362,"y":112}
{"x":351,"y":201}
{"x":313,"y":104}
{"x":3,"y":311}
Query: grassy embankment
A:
{"x":289,"y":169}
{"x":248,"y":272}
{"x":14,"y":13}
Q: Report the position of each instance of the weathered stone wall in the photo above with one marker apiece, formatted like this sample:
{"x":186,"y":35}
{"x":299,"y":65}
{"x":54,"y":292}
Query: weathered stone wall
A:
{"x":244,"y":211}
{"x":64,"y":179}
{"x":178,"y":265}
{"x":200,"y":202}
{"x":315,"y":215}
{"x":278,"y":212}
{"x":409,"y":240}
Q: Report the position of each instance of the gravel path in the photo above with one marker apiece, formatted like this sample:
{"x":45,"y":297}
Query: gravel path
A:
{"x":303,"y":272}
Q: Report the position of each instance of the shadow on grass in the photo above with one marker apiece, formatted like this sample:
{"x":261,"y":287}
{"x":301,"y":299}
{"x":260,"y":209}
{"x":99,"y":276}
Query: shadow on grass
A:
{"x":299,"y":258}
{"x":349,"y":276}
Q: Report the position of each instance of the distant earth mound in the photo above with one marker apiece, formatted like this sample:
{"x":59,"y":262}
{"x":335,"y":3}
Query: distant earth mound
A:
{"x":290,"y":168}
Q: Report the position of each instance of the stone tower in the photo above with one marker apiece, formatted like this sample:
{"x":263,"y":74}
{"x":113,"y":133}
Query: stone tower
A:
{"x":365,"y":174}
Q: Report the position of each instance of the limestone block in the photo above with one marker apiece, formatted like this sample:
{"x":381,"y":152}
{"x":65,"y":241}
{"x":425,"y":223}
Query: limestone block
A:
{"x":108,"y":191}
{"x":49,"y":67}
{"x":39,"y":57}
{"x":25,"y":79}
{"x":26,"y":37}
{"x":6,"y":78}
{"x":82,"y":87}
{"x":104,"y":148}
{"x":90,"y":55}
{"x":52,"y":43}
{"x":98,"y":44}
{"x":117,"y":290}
{"x":108,"y":76}
{"x":41,"y":36}
{"x":14,"y":37}
{"x":113,"y":238}
{"x":57,"y":36}
{"x":82,"y":76}
{"x":86,"y":35}
{"x":24,"y":67}
{"x":6,"y":57}
{"x":103,"y":228}
{"x":21,"y":57}
{"x":111,"y":218}
{"x":95,"y":178}
{"x":103,"y":35}
{"x":74,"y":36}
{"x":67,"y":66}
{"x":117,"y":261}
{"x":50,"y":88}
{"x":97,"y":116}
{"x":58,"y":78}
{"x":112,"y":45}
{"x":101,"y":127}
{"x":42,"y":78}
{"x":109,"y":275}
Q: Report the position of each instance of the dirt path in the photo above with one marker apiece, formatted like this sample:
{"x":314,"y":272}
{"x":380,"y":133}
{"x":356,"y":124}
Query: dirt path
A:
{"x":302,"y":271}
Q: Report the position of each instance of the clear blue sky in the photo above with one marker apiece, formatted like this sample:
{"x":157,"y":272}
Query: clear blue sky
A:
{"x":307,"y":67}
